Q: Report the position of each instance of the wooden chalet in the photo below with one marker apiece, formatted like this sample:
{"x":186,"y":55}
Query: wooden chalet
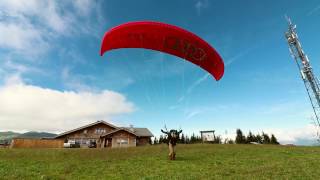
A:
{"x":106,"y":135}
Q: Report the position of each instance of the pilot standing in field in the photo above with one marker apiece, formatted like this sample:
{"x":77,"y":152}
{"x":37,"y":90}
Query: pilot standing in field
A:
{"x":173,"y":136}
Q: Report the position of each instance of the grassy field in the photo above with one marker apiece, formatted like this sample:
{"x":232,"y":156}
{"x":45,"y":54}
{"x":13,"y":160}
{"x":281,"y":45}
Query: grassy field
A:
{"x":200,"y":161}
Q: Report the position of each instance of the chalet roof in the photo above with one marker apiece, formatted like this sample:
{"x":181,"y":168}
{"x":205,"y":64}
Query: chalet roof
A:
{"x":142,"y":132}
{"x":89,"y":125}
{"x":117,"y":130}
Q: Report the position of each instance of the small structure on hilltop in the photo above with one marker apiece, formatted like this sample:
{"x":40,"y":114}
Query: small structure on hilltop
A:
{"x":106,"y":135}
{"x":207,"y":136}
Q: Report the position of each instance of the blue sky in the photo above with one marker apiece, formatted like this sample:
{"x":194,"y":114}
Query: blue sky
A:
{"x":49,"y":55}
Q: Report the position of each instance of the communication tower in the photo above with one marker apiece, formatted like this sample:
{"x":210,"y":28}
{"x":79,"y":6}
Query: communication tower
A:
{"x":310,"y":81}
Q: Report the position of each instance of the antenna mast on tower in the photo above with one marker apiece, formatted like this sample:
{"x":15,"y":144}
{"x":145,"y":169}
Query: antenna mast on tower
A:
{"x":310,"y":81}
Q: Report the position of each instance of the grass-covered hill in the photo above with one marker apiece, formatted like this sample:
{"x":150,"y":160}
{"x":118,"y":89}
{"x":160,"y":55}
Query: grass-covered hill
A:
{"x":197,"y":161}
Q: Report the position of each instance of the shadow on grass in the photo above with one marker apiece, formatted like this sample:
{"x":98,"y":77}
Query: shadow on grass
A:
{"x":184,"y":158}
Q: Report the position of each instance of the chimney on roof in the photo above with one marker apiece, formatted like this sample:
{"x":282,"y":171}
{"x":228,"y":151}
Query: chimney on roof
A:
{"x":131,"y":128}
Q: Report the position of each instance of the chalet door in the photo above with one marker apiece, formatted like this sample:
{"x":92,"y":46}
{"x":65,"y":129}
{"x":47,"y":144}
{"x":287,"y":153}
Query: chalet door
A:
{"x":108,"y":142}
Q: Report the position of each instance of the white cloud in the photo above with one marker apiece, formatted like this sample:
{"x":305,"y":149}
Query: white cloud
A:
{"x":83,"y":7}
{"x":10,"y":67}
{"x":299,"y":136}
{"x":296,"y":135}
{"x":201,"y":4}
{"x":238,"y":56}
{"x":192,"y":87}
{"x":198,"y":82}
{"x":13,"y":79}
{"x":305,"y":135}
{"x":18,"y":30}
{"x":28,"y":27}
{"x":58,"y":22}
{"x":48,"y":13}
{"x":192,"y":114}
{"x":22,"y":37}
{"x":27,"y":107}
{"x":313,"y":11}
{"x":75,"y":81}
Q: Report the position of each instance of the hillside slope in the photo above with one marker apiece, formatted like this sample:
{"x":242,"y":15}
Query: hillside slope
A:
{"x":199,"y":161}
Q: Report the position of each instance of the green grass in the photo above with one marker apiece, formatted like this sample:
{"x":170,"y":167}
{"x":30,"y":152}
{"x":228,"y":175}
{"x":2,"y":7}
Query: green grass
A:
{"x":201,"y":161}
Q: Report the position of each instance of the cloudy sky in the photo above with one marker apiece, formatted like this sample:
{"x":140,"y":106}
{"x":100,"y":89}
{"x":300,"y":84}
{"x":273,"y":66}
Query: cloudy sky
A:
{"x":53,"y":79}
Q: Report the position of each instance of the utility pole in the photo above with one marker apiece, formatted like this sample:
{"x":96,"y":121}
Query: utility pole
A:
{"x":310,"y":81}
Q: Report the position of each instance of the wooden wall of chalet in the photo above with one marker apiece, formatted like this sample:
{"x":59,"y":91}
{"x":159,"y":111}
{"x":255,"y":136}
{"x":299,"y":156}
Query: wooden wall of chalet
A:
{"x":36,"y":143}
{"x":141,"y":141}
{"x":118,"y":136}
{"x":90,"y":132}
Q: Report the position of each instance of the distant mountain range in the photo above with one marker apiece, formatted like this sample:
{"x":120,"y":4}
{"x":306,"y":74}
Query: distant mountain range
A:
{"x":32,"y":134}
{"x":8,"y":135}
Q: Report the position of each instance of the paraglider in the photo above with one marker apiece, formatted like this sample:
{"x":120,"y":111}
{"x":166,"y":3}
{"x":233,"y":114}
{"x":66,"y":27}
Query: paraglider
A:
{"x":164,"y":38}
{"x":173,"y":136}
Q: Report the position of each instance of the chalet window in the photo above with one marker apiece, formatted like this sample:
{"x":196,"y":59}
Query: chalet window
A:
{"x":122,"y":141}
{"x":100,"y":131}
{"x":85,"y":141}
{"x":78,"y":141}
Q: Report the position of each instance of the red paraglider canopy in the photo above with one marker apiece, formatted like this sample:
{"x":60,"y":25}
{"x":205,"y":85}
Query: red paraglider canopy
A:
{"x":165,"y":38}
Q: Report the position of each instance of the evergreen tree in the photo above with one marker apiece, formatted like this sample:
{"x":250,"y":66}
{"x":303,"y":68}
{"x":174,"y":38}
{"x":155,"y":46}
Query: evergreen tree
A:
{"x":250,"y":138}
{"x":240,"y":138}
{"x":187,"y":140}
{"x":193,"y":138}
{"x":217,"y":140}
{"x":183,"y":140}
{"x":266,"y":138}
{"x":160,"y":139}
{"x":199,"y":140}
{"x":258,"y":139}
{"x":274,"y":140}
{"x":230,"y":141}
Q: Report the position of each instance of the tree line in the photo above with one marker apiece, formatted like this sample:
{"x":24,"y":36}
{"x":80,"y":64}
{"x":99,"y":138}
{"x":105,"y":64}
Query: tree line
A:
{"x":239,"y":139}
{"x":185,"y":139}
{"x":251,"y":138}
